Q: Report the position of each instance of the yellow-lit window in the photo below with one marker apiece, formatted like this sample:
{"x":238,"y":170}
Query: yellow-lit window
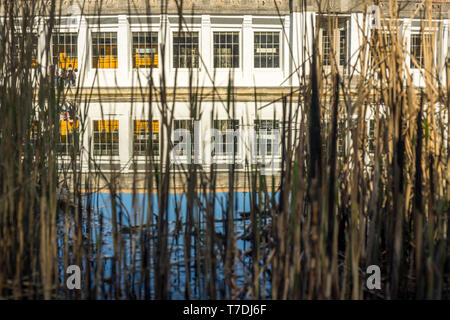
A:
{"x":104,"y":50}
{"x":34,"y":131}
{"x":68,"y":138}
{"x":26,"y":49}
{"x":64,"y":50}
{"x":106,"y":137}
{"x":143,"y":136}
{"x":145,"y":49}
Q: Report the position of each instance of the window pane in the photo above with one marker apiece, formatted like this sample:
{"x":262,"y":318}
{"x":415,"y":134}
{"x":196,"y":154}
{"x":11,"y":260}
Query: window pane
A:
{"x":104,"y":50}
{"x":106,"y":137}
{"x":226,"y":49}
{"x":266,"y":137}
{"x":145,"y":49}
{"x":266,"y":50}
{"x":418,"y":43}
{"x":185,"y":50}
{"x":228,"y":144}
{"x":26,"y":49}
{"x":146,"y":138}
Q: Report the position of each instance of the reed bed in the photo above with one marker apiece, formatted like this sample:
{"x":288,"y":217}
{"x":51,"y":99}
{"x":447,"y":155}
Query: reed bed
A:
{"x":352,"y":193}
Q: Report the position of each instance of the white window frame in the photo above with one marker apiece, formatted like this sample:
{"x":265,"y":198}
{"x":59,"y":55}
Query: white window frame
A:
{"x":142,"y":157}
{"x":276,"y":155}
{"x":281,"y":44}
{"x":227,"y":28}
{"x":115,"y":157}
{"x":153,"y":27}
{"x":103,"y":28}
{"x":183,"y":159}
{"x":343,"y":23}
{"x":169,"y":47}
{"x":237,"y":154}
{"x":417,"y":31}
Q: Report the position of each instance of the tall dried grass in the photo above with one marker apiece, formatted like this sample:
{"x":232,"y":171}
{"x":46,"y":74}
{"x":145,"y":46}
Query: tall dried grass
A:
{"x":340,"y":206}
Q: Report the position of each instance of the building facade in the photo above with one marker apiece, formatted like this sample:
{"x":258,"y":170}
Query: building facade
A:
{"x":136,"y":49}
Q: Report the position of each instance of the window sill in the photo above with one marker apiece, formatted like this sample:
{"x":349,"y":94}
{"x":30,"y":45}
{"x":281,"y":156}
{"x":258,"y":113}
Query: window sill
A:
{"x":145,"y":69}
{"x":107,"y":157}
{"x":141,"y":158}
{"x":267,"y":69}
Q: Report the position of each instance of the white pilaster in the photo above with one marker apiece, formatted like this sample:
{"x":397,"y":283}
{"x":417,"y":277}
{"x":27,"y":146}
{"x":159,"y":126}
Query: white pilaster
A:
{"x":42,"y":49}
{"x":355,"y":40}
{"x":294,"y":52}
{"x":406,"y":38}
{"x":83,"y":42}
{"x":85,"y":137}
{"x":165,"y":44}
{"x":206,"y":145}
{"x":301,"y":42}
{"x":443,"y":51}
{"x":247,"y":51}
{"x":125,"y":138}
{"x":285,"y":53}
{"x":124,"y":50}
{"x":83,"y":51}
{"x":206,"y":63}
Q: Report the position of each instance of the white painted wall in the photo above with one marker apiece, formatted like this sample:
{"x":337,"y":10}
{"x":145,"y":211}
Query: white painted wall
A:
{"x":295,"y":42}
{"x":125,"y":113}
{"x":296,"y":51}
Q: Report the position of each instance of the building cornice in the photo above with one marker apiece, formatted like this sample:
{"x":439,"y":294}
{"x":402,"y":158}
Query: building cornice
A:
{"x":440,"y":8}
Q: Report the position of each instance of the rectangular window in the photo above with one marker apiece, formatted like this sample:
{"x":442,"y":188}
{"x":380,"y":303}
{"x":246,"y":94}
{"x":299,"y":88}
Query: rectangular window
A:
{"x":34,"y":131}
{"x":65,"y":50}
{"x":185,"y":50}
{"x":326,"y":48}
{"x":228,"y":145}
{"x":104,"y":50}
{"x":341,"y":134}
{"x":267,"y":50}
{"x":226,"y":49}
{"x":381,"y":46}
{"x":416,"y":50}
{"x":371,"y":140}
{"x":342,"y":47}
{"x":418,"y":44}
{"x":145,"y":50}
{"x":26,"y":48}
{"x":35,"y":134}
{"x":143,"y":135}
{"x":106,"y":137}
{"x":334,"y":41}
{"x":189,"y":126}
{"x":68,"y":139}
{"x":266,"y":137}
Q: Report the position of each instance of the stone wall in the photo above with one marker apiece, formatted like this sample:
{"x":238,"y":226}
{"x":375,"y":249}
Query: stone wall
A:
{"x":172,"y":6}
{"x":441,"y":8}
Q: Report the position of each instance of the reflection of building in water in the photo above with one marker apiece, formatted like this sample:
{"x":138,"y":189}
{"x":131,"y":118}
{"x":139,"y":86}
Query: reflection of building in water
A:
{"x":262,"y":45}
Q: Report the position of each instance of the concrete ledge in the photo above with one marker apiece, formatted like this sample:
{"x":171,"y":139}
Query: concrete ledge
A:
{"x":137,"y":182}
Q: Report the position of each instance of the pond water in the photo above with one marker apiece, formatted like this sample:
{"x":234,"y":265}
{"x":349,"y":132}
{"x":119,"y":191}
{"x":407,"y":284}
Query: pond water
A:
{"x":132,"y":211}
